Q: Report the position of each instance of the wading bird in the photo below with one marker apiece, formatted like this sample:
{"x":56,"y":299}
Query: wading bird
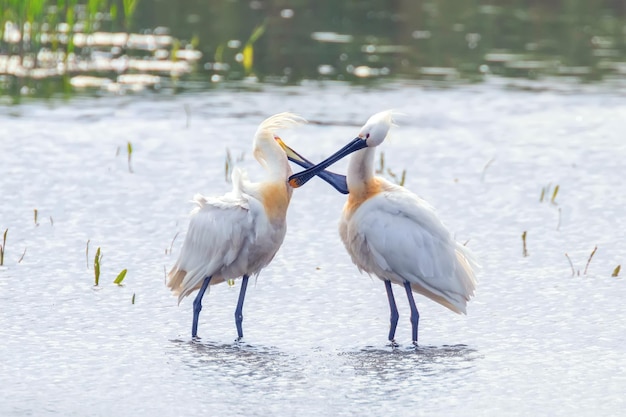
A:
{"x":392,"y":233}
{"x":238,"y":234}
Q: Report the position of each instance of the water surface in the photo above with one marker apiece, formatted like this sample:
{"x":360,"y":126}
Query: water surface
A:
{"x":536,"y":340}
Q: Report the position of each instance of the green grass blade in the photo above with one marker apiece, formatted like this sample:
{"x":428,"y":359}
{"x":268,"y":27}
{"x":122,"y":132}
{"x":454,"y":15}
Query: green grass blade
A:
{"x":256,"y":33}
{"x":120,"y":277}
{"x":219,"y":53}
{"x":248,"y":58}
{"x":129,"y":147}
{"x":3,"y":246}
{"x":403,"y":178}
{"x":96,"y":266}
{"x":556,"y":191}
{"x":113,"y":11}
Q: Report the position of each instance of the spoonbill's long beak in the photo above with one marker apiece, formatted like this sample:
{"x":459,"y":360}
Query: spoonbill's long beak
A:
{"x":338,"y":181}
{"x":301,"y":178}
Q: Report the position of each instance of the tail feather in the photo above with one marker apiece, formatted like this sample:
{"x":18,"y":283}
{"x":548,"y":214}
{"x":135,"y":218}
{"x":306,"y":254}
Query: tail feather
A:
{"x":176,"y":277}
{"x":467,"y":266}
{"x":181,"y":284}
{"x":453,"y":302}
{"x":465,"y":275}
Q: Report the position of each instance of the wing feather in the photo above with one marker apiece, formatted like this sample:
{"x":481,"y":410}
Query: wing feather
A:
{"x":217,"y":233}
{"x":397,"y":236}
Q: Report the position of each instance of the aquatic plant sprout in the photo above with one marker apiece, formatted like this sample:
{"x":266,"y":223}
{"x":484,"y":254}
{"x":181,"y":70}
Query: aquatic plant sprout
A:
{"x":120,"y":277}
{"x":3,"y":246}
{"x":96,"y":266}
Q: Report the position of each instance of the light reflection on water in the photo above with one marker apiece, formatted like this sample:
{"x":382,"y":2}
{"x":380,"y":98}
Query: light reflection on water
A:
{"x":244,"y":362}
{"x":408,"y":374}
{"x":372,"y":379}
{"x":410,"y":363}
{"x":536,"y":340}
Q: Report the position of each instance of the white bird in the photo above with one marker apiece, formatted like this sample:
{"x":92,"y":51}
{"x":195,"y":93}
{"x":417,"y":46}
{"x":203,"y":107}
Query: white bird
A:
{"x":238,"y":234}
{"x":392,"y":233}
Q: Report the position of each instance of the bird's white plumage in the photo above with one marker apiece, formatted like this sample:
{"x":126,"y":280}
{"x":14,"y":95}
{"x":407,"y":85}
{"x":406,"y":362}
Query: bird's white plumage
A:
{"x":392,"y":233}
{"x":376,"y":128}
{"x":240,"y":232}
{"x":396,"y":236}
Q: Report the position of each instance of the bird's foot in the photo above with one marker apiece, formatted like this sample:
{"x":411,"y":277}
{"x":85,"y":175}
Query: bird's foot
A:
{"x":239,"y":339}
{"x":393,"y":343}
{"x":415,"y":345}
{"x":195,"y":339}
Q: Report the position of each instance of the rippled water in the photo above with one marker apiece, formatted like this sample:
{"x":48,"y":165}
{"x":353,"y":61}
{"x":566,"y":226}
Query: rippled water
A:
{"x":52,"y":48}
{"x":537,"y":340}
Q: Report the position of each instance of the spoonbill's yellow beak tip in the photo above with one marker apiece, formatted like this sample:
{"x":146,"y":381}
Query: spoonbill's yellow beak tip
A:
{"x":291,"y":154}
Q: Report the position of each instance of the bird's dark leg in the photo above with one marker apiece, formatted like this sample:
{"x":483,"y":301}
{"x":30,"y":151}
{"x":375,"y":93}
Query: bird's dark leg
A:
{"x":239,"y":310}
{"x":415,"y":315}
{"x":197,"y":306}
{"x":394,"y":313}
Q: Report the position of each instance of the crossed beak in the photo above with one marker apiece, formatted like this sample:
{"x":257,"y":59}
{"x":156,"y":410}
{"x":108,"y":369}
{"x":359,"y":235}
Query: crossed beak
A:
{"x":301,"y":178}
{"x":338,"y":181}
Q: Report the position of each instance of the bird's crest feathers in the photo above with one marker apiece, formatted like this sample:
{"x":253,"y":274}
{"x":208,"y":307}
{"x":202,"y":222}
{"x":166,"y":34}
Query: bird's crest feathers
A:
{"x":387,"y":117}
{"x":280,"y":121}
{"x":266,"y":150}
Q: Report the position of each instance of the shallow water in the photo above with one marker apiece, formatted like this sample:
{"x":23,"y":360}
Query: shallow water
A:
{"x":536,"y":340}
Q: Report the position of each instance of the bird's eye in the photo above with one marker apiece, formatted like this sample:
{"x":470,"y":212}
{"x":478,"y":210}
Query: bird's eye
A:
{"x":367,"y":136}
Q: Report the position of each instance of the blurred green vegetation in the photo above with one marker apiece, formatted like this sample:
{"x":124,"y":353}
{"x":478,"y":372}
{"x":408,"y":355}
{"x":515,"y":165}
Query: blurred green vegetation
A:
{"x":38,"y":39}
{"x":202,"y":43}
{"x":401,"y":38}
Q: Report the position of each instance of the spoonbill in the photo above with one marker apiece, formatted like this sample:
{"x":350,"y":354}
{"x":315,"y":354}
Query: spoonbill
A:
{"x":238,"y":234}
{"x":395,"y":235}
